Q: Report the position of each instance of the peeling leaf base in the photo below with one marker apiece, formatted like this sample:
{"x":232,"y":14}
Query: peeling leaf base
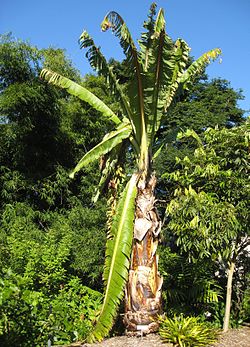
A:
{"x":143,"y":290}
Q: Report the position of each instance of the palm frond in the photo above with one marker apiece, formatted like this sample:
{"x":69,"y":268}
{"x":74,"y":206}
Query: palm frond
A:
{"x":160,"y":36}
{"x":146,"y":38}
{"x":166,"y":63}
{"x":82,"y":93}
{"x":99,"y":64}
{"x":159,"y":23}
{"x":180,"y":59}
{"x":114,"y":21}
{"x":198,"y":66}
{"x":110,"y":141}
{"x":117,"y":260}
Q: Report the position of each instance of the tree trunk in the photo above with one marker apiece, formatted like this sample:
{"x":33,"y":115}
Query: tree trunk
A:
{"x":143,"y":290}
{"x":229,"y":296}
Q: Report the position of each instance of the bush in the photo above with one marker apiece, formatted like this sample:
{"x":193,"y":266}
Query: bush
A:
{"x":31,"y":318}
{"x":73,"y":312}
{"x":186,"y":331}
{"x":45,"y":258}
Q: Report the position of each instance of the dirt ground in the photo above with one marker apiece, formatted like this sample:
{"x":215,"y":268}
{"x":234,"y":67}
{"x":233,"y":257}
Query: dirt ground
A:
{"x":233,"y":338}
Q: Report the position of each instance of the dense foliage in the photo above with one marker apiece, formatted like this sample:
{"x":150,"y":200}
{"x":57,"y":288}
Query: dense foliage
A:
{"x":208,"y":212}
{"x":51,"y":239}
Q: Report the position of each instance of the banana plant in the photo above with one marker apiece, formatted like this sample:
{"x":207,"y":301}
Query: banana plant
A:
{"x":158,"y":71}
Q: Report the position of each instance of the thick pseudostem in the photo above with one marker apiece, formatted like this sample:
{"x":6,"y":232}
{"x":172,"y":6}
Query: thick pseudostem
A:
{"x":143,"y":291}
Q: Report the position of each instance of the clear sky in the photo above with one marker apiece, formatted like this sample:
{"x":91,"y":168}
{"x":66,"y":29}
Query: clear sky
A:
{"x":203,"y":24}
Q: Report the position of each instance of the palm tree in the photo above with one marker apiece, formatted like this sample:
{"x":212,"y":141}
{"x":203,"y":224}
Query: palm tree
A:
{"x":159,"y":70}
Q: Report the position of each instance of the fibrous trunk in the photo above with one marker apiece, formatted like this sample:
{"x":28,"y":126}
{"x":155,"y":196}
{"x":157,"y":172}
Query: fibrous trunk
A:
{"x":143,"y":291}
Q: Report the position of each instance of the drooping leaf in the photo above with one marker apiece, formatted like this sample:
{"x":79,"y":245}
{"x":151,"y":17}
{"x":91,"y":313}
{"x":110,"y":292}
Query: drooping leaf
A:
{"x":99,"y":64}
{"x":112,"y":161}
{"x":110,"y":141}
{"x":109,"y":166}
{"x":117,"y":259}
{"x":180,"y":59}
{"x":198,"y":66}
{"x":82,"y":93}
{"x":116,"y":23}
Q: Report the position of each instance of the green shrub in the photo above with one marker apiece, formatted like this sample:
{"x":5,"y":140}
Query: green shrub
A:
{"x":29,"y":318}
{"x":186,"y":331}
{"x":73,"y":312}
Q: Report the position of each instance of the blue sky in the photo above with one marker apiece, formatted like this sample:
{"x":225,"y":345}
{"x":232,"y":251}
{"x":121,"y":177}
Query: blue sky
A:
{"x":203,"y":24}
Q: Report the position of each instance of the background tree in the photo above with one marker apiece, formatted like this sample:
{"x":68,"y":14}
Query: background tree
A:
{"x":42,"y":123}
{"x":208,"y":103}
{"x":51,"y":240}
{"x":208,"y":212}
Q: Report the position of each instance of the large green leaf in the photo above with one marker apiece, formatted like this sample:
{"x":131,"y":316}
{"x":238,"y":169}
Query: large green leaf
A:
{"x":117,"y":260}
{"x":165,"y":63}
{"x":110,"y":141}
{"x":99,"y":64}
{"x":82,"y":93}
{"x":166,"y":72}
{"x":156,"y":71}
{"x":180,"y":59}
{"x":147,"y":37}
{"x":198,"y":66}
{"x":159,"y":23}
{"x":114,"y":21}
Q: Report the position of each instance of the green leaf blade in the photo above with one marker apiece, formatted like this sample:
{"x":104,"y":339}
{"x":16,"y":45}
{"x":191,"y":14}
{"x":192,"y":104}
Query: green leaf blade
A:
{"x":99,"y":64}
{"x":114,"y":21}
{"x":110,"y":141}
{"x":117,"y":259}
{"x":79,"y":91}
{"x":198,"y":66}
